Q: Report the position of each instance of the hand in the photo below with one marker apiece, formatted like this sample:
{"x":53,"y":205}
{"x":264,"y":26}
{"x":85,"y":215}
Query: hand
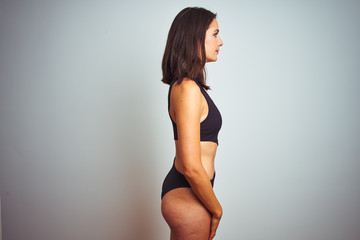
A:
{"x":215,"y":220}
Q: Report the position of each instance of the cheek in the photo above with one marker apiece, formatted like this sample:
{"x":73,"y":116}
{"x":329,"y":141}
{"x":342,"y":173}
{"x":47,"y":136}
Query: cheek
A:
{"x":209,"y":45}
{"x":206,"y":45}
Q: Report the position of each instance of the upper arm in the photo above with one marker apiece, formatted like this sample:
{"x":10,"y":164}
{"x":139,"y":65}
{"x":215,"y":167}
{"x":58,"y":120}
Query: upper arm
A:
{"x":187,"y":108}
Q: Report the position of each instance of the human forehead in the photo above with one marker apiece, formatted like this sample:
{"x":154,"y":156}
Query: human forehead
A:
{"x":213,"y":25}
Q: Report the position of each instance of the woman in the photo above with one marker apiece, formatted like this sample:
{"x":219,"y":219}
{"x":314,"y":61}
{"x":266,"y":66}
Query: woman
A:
{"x":189,"y":204}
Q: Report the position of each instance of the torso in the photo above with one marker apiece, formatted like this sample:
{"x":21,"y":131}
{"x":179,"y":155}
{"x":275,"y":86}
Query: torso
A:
{"x":208,"y":152}
{"x":208,"y":148}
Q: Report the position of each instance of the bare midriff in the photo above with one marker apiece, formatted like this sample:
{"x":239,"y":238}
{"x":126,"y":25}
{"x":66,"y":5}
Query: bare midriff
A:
{"x":208,"y":152}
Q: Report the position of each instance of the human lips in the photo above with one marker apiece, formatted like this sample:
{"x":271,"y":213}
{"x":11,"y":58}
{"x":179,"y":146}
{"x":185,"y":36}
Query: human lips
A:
{"x":217,"y":51}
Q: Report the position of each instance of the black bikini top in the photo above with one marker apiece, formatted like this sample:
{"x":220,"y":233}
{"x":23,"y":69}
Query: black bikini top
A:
{"x":210,"y":126}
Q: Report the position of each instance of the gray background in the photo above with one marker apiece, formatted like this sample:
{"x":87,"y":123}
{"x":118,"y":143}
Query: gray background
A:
{"x":86,"y":139}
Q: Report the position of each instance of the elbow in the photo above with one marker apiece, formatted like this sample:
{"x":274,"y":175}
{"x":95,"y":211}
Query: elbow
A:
{"x":192,"y":173}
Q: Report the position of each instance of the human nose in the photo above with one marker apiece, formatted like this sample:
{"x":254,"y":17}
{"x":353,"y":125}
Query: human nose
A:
{"x":220,"y":42}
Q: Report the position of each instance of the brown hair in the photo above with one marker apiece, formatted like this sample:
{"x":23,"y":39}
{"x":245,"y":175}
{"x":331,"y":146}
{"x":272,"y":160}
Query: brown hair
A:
{"x":185,"y":54}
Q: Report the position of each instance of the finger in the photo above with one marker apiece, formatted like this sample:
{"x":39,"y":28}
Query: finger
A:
{"x":212,"y":235}
{"x":213,"y":227}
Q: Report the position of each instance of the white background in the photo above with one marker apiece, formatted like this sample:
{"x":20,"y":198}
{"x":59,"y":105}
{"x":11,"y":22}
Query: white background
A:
{"x":86,"y":140}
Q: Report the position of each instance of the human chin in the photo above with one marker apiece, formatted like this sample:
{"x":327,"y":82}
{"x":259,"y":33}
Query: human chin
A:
{"x":211,"y":59}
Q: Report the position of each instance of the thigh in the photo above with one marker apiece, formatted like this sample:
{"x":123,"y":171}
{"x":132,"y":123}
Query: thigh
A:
{"x":186,"y":216}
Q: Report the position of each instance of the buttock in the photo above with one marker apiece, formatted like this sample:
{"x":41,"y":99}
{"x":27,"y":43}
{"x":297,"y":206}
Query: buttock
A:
{"x":175,"y":179}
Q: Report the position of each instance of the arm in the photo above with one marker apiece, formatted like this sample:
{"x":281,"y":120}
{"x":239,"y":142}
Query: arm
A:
{"x":187,"y":107}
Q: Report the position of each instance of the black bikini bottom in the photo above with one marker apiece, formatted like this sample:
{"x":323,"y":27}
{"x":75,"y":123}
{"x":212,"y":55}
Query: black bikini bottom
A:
{"x":175,"y":179}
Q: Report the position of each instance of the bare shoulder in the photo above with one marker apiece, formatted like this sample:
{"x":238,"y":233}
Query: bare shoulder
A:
{"x":187,"y":87}
{"x":185,"y":96}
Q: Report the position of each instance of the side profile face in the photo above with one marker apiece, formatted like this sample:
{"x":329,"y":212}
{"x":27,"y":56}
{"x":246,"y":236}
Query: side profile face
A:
{"x":212,"y":41}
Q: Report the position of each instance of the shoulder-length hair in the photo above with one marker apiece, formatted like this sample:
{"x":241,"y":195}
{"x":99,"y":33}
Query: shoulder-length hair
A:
{"x":185,"y":54}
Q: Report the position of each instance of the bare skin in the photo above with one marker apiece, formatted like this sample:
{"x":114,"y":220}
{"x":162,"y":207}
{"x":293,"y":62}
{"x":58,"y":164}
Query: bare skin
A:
{"x":193,"y":213}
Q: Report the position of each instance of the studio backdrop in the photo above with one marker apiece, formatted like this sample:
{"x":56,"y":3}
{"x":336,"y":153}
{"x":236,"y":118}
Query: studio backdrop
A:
{"x":86,"y":140}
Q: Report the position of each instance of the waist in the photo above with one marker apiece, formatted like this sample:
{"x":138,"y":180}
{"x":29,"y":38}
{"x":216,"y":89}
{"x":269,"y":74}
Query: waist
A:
{"x":208,"y":153}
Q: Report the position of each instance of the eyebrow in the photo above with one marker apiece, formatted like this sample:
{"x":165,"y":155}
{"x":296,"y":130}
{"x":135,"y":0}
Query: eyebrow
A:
{"x":216,"y":30}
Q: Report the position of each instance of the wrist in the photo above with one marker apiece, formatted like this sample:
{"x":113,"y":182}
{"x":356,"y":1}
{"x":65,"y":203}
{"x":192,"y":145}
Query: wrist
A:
{"x":217,"y":213}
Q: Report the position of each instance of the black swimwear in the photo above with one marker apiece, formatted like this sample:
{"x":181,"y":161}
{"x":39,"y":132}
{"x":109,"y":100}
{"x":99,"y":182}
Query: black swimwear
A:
{"x":210,"y":126}
{"x":175,"y":179}
{"x":209,"y":129}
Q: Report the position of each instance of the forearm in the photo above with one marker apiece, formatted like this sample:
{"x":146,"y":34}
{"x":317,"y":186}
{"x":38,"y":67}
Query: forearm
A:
{"x":201,"y":186}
